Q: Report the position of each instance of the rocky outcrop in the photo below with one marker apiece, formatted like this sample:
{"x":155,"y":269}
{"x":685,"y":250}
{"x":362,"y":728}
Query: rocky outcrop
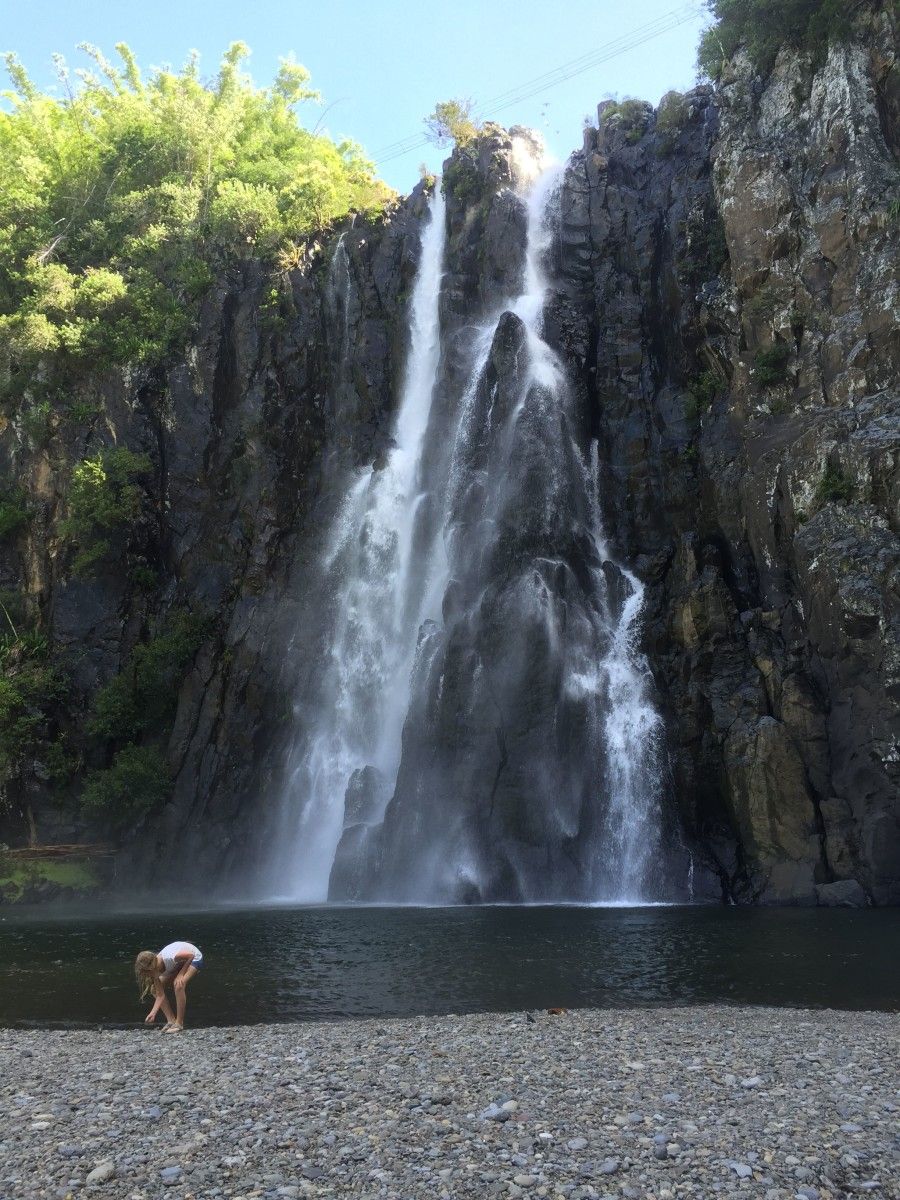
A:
{"x":250,"y":437}
{"x":745,"y":366}
{"x":725,"y":299}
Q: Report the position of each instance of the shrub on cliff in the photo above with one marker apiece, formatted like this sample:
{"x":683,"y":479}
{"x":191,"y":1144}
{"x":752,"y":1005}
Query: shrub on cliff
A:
{"x":105,"y":497}
{"x":14,"y":514}
{"x":144,"y":694}
{"x":764,"y":26}
{"x":631,"y":116}
{"x":30,"y":687}
{"x":771,"y":365}
{"x":671,"y":118}
{"x":117,"y":200}
{"x":137,"y":781}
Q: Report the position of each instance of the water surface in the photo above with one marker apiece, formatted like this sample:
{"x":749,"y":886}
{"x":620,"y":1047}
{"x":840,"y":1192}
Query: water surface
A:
{"x":294,"y":964}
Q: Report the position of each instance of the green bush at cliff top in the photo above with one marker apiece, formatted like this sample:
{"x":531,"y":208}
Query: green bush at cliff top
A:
{"x":631,"y":114}
{"x":118,"y":200}
{"x":764,"y":26}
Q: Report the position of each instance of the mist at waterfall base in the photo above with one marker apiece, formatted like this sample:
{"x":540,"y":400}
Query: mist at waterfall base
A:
{"x":483,"y":728}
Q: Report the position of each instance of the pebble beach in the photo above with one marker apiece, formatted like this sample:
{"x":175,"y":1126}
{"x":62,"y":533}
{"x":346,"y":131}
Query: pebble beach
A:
{"x":640,"y":1104}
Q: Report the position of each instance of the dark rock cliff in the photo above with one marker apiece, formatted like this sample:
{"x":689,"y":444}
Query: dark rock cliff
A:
{"x":725,"y":297}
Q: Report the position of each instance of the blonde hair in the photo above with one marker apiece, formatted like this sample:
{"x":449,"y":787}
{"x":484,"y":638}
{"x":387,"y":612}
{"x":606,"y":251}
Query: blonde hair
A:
{"x":146,"y":972}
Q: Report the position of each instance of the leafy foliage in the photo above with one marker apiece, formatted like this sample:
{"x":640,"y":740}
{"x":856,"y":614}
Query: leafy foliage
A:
{"x":771,"y":365}
{"x":137,"y":782}
{"x":764,"y":26}
{"x":117,"y":201}
{"x":671,"y":118}
{"x":140,"y":701}
{"x":144,"y":694}
{"x":702,"y":391}
{"x":834,"y":486}
{"x":631,"y":116}
{"x":14,"y":514}
{"x":452,"y":121}
{"x":764,"y":305}
{"x":29,"y":688}
{"x":104,"y":497}
{"x":461,"y":179}
{"x":705,"y":247}
{"x":19,"y":876}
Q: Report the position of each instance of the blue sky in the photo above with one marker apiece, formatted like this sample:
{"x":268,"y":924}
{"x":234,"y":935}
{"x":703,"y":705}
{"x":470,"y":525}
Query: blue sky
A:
{"x":382,"y":64}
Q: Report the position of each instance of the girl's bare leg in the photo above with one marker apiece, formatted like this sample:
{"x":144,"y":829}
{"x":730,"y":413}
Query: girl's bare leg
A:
{"x":163,"y":1000}
{"x":181,"y":980}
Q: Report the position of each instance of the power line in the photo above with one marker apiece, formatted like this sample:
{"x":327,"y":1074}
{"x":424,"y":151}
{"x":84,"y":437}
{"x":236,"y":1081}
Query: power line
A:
{"x":645,"y":33}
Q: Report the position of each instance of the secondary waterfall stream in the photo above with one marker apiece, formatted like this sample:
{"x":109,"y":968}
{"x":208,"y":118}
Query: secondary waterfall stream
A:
{"x":485,"y":729}
{"x":376,"y":605}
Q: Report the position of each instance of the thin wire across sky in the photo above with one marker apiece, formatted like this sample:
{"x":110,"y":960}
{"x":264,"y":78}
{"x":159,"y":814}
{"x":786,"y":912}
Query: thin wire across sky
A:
{"x":541,"y":83}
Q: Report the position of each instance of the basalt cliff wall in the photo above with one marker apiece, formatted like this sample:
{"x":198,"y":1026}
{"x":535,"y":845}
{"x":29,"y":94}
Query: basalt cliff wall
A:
{"x":725,"y":298}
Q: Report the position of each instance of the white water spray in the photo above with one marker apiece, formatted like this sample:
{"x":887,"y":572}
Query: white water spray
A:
{"x":416,"y":603}
{"x":365,"y":685}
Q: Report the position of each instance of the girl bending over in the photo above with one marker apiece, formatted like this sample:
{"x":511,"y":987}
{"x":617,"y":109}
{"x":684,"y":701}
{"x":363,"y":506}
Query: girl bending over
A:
{"x":177,"y":964}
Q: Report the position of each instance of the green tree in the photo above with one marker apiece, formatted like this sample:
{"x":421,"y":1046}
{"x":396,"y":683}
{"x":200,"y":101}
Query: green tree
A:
{"x":452,"y":121}
{"x":764,"y":26}
{"x":105,"y":498}
{"x":137,"y":782}
{"x":119,"y":200}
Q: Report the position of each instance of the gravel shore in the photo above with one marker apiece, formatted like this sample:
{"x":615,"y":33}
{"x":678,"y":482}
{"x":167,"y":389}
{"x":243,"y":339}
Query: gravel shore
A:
{"x":700,"y":1102}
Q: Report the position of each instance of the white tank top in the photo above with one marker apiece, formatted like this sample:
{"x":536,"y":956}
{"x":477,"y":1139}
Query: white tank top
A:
{"x":167,"y":954}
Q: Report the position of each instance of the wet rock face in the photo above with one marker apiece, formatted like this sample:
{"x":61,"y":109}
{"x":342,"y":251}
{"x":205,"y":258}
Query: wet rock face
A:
{"x":252,"y":438}
{"x":725,"y":302}
{"x":731,"y":299}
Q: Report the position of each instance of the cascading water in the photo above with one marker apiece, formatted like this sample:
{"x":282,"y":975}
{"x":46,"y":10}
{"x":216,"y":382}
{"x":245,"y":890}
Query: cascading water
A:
{"x":487,"y":731}
{"x":376,"y":601}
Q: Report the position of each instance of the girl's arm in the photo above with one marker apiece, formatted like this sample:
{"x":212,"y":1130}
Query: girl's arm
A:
{"x":162,"y":1002}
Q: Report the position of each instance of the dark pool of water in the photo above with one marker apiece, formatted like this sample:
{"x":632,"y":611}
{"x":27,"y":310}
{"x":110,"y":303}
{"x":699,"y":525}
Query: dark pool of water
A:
{"x":281,"y":964}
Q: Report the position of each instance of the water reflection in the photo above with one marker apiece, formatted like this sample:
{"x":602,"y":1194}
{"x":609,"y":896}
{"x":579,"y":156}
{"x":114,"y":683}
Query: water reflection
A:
{"x":295,"y":964}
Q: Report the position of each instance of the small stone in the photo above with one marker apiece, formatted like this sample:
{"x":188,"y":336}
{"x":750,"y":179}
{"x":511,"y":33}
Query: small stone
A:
{"x":577,"y":1143}
{"x":170,"y":1175}
{"x":753,"y":1082}
{"x":102,"y":1172}
{"x":525,"y":1181}
{"x":742,"y":1170}
{"x":609,"y":1166}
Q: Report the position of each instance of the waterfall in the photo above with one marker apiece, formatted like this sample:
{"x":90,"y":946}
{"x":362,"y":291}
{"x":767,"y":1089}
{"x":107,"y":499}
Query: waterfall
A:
{"x":530,"y":752}
{"x":350,"y":755}
{"x":486,"y":728}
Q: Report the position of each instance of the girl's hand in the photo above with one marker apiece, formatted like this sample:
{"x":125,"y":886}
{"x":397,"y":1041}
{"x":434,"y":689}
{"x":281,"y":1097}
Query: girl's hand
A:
{"x":151,"y":1015}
